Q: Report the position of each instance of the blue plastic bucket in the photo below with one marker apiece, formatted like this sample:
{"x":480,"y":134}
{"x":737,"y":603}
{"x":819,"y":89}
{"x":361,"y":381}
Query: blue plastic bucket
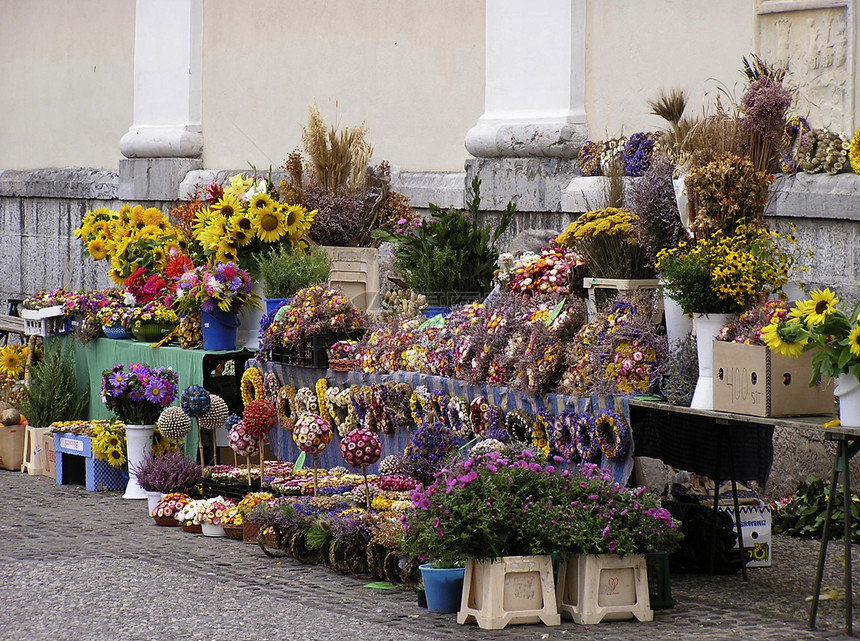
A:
{"x":272,"y":304}
{"x":443,"y":587}
{"x":219,"y":330}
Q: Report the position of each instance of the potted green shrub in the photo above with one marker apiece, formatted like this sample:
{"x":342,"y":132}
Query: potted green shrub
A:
{"x":52,"y":394}
{"x":286,"y":270}
{"x":449,"y":257}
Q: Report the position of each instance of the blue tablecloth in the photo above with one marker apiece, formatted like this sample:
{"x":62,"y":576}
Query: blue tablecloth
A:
{"x":282,"y":445}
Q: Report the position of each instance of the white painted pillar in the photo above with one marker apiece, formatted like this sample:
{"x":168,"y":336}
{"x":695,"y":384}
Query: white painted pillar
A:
{"x":535,"y":80}
{"x":168,"y":69}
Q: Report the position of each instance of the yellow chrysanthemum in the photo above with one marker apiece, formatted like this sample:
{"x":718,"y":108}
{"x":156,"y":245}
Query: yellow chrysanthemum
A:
{"x":228,"y":205}
{"x":152,"y":216}
{"x":97,"y":249}
{"x":820,"y":305}
{"x":270,"y":225}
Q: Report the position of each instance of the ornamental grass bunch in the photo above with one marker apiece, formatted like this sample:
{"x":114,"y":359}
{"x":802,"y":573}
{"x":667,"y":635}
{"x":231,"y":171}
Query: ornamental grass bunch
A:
{"x":605,"y":238}
{"x":821,"y":325}
{"x":490,"y":506}
{"x":138,"y":395}
{"x":725,"y":273}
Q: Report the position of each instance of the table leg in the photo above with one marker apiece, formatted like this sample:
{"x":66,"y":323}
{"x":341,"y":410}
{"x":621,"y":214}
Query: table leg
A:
{"x":738,"y":525}
{"x":846,"y":494}
{"x":715,"y":515}
{"x":825,"y":535}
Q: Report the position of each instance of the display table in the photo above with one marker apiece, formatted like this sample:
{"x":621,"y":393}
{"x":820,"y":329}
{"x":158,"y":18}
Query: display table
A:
{"x":721,"y":445}
{"x":193,"y":366}
{"x":847,"y":445}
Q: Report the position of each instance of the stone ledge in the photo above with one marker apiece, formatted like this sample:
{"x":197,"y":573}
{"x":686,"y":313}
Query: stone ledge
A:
{"x":798,"y":196}
{"x":88,"y":184}
{"x":442,"y":189}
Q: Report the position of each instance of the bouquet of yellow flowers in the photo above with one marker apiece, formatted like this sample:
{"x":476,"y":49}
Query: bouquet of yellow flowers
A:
{"x":819,"y":324}
{"x":725,"y":274}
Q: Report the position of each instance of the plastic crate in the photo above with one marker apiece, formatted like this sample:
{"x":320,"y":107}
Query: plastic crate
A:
{"x":235,"y":491}
{"x":98,"y":475}
{"x":46,"y":321}
{"x":313,"y":352}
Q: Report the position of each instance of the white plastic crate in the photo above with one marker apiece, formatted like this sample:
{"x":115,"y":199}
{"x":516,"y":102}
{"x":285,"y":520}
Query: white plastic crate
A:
{"x":45,"y":321}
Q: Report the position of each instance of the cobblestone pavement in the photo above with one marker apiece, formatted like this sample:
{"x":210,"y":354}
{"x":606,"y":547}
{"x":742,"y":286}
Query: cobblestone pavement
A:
{"x":87,"y":566}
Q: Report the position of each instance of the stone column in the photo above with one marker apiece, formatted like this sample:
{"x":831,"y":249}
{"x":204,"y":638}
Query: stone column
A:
{"x":534,"y":121}
{"x":165,"y":140}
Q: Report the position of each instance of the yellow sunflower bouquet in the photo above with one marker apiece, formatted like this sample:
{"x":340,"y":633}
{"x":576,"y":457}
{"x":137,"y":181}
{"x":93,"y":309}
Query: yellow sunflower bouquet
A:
{"x":242,"y":216}
{"x":819,"y":324}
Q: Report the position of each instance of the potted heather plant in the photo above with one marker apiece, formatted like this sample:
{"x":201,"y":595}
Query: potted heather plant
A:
{"x":172,"y":472}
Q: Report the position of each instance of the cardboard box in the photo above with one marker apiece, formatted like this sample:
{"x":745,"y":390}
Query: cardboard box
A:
{"x":755,"y":523}
{"x":12,"y":446}
{"x":751,"y":379}
{"x":49,"y":468}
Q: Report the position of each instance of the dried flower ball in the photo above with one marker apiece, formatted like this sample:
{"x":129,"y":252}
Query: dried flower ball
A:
{"x":360,"y":447}
{"x":312,"y":433}
{"x":259,"y":417}
{"x":243,"y":443}
{"x":195,"y":401}
{"x":391,"y":464}
{"x":216,"y":415}
{"x":174,"y":423}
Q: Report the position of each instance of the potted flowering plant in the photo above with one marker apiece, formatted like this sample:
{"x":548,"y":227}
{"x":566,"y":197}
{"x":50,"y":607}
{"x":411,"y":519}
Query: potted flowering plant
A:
{"x":213,"y":512}
{"x":821,"y":325}
{"x":220,"y":291}
{"x":115,"y":318}
{"x":137,"y":397}
{"x":529,"y":509}
{"x":153,"y":321}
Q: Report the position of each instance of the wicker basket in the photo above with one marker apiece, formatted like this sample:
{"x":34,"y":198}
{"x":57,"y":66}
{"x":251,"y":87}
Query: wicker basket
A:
{"x":234,"y":531}
{"x":192,"y":529}
{"x":165,"y":521}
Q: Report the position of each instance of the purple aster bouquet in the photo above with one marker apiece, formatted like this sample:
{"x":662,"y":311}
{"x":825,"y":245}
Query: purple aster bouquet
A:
{"x":138,"y":395}
{"x":215,"y":285}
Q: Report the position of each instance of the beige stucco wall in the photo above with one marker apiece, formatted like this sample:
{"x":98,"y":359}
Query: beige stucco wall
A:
{"x":413,"y":71}
{"x":66,"y":82}
{"x":635,"y":48}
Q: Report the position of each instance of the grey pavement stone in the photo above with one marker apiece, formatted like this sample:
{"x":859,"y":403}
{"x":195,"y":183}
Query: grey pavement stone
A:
{"x":89,"y":566}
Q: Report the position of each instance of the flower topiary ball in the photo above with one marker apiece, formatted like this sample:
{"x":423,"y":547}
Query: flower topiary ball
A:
{"x":360,"y":447}
{"x":243,"y":443}
{"x":312,"y":433}
{"x":195,"y":401}
{"x":259,"y":417}
{"x":216,"y":415}
{"x":174,"y":423}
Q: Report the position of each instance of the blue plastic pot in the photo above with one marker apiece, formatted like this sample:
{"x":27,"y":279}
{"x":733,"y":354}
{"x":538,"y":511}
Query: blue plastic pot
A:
{"x":443,"y":588}
{"x":219,"y":330}
{"x":430,"y":312}
{"x":272,"y":304}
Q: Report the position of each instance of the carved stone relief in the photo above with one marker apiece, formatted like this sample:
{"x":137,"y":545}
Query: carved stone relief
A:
{"x":813,"y":43}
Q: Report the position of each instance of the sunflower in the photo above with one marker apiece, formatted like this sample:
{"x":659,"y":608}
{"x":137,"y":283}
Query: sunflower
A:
{"x":11,"y":362}
{"x":259,"y":202}
{"x":228,"y":205}
{"x":270,"y":225}
{"x":150,"y":231}
{"x":854,"y":341}
{"x":242,"y":228}
{"x":227,"y":255}
{"x":770,"y":334}
{"x":115,"y":456}
{"x":820,"y":305}
{"x":97,"y":249}
{"x":214,"y":231}
{"x":294,"y":218}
